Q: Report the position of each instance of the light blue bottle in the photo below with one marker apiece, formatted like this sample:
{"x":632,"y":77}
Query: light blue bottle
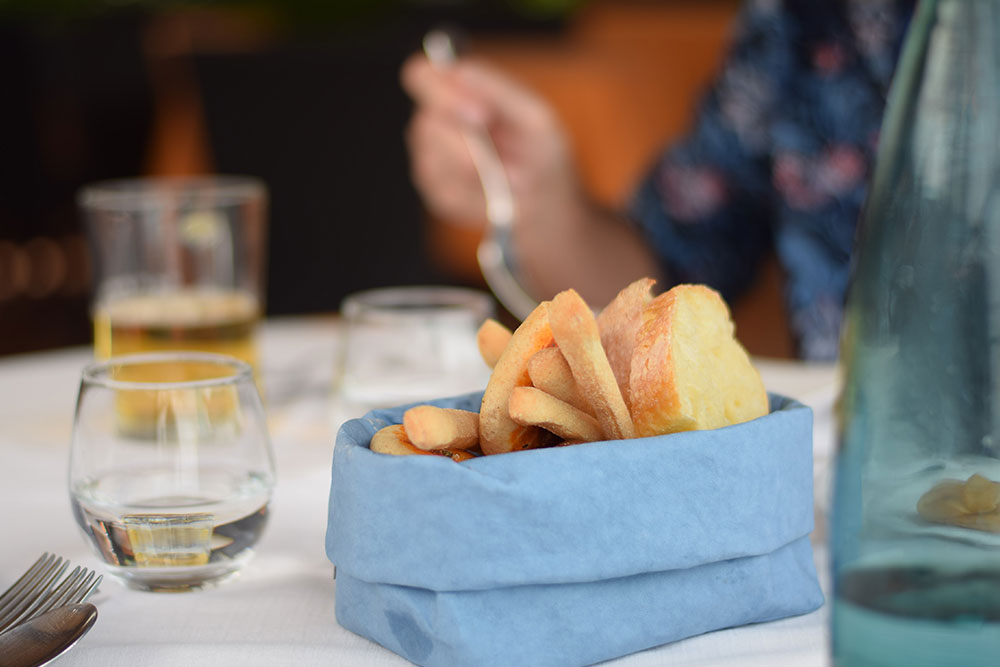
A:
{"x":921,"y":360}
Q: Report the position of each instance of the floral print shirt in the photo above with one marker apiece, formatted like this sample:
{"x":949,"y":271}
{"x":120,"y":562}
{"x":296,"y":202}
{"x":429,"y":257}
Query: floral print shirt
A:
{"x":779,"y":157}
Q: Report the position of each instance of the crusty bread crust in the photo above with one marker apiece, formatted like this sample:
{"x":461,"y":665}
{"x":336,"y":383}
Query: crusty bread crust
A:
{"x":619,"y":323}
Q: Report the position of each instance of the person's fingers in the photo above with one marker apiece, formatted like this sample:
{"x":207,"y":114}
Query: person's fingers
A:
{"x":475,"y":93}
{"x":437,"y":146}
{"x":524,"y":128}
{"x":438,"y":89}
{"x":507,"y":101}
{"x":441,"y":167}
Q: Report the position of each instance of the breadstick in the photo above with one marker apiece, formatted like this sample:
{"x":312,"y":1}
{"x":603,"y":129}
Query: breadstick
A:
{"x":575,"y":331}
{"x":619,"y":323}
{"x":498,"y":433}
{"x":392,"y":440}
{"x":430,"y":427}
{"x":533,"y":407}
{"x":549,"y":371}
{"x":492,"y":338}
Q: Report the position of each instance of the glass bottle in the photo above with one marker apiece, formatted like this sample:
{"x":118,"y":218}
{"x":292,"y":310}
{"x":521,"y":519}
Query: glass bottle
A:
{"x":916,"y":558}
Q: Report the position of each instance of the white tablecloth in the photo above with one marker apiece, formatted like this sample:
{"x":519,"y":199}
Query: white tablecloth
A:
{"x":279,"y":611}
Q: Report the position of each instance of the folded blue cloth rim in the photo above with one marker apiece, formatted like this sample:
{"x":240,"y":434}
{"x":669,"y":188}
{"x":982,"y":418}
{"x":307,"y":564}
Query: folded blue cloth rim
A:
{"x":585,"y":513}
{"x":578,"y":624}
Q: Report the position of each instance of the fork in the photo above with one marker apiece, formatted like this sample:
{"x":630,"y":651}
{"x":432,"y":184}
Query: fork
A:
{"x":492,"y":251}
{"x":39,"y":590}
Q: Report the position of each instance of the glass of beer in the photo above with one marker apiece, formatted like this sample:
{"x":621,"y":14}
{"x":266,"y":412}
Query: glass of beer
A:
{"x":178,"y":264}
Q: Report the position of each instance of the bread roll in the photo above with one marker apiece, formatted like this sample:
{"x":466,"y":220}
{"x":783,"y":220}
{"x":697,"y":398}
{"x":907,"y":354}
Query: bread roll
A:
{"x":688,"y":371}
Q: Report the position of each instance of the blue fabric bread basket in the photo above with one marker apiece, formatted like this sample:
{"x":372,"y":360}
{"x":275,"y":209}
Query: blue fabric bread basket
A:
{"x":572,"y":555}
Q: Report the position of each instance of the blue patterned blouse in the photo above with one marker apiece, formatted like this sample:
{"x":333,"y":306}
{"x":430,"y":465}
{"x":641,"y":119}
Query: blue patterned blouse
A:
{"x":779,"y":157}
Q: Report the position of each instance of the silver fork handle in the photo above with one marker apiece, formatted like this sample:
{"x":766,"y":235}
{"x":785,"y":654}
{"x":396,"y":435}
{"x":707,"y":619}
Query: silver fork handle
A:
{"x":494,"y":247}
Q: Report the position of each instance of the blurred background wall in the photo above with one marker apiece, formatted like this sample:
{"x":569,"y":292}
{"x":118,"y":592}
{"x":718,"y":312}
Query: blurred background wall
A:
{"x":305,"y":96}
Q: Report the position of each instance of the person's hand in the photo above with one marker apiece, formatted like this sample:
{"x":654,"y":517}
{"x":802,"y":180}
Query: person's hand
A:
{"x":561,"y":237}
{"x":471,"y":96}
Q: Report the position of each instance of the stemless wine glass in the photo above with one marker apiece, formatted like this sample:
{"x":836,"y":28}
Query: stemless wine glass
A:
{"x":171,"y":468}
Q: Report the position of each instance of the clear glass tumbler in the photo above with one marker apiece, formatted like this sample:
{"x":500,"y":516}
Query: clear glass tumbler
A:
{"x":406,"y":344}
{"x":171,"y":468}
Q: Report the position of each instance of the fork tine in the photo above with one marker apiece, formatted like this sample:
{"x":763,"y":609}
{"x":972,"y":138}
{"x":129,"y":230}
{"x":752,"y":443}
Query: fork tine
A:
{"x":39,"y":590}
{"x":86,"y":587}
{"x":13,"y":594}
{"x":74,"y":588}
{"x":53,"y":597}
{"x":33,"y":587}
{"x":86,"y":592}
{"x":70,"y":587}
{"x":12,"y":591}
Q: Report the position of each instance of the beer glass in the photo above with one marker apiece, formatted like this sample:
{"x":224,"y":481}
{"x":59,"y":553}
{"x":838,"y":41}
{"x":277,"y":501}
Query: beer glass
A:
{"x":178,"y":264}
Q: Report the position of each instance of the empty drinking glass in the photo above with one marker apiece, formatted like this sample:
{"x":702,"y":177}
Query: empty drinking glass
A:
{"x":406,"y":344}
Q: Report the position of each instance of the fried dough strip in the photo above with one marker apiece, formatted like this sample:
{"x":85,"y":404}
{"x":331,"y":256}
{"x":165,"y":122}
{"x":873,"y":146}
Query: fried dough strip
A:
{"x":392,"y":440}
{"x":429,"y":427}
{"x":530,"y":406}
{"x":550,"y":372}
{"x":492,"y":338}
{"x":498,"y":433}
{"x":575,"y":331}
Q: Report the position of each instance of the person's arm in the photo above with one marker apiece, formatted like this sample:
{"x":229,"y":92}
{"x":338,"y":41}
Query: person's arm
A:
{"x":574,"y":242}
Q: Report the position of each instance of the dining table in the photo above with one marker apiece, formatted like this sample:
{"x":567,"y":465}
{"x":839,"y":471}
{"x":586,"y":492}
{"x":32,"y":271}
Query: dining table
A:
{"x":279,"y":610}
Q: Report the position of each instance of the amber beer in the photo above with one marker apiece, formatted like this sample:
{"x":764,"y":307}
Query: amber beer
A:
{"x":218,"y":321}
{"x":203,"y":320}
